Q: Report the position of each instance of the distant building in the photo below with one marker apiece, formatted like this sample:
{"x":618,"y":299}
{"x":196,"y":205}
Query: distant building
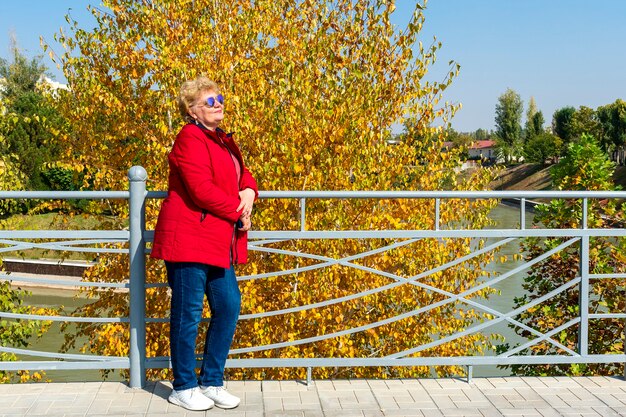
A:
{"x":54,"y":85}
{"x":43,"y":80}
{"x":483,"y":149}
{"x":479,"y":153}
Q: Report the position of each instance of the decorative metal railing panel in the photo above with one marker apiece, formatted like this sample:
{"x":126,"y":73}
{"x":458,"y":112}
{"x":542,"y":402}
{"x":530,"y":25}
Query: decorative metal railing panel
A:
{"x":134,"y":241}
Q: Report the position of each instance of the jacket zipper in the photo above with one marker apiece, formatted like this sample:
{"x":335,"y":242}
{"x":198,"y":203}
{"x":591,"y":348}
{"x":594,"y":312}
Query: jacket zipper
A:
{"x":234,"y":256}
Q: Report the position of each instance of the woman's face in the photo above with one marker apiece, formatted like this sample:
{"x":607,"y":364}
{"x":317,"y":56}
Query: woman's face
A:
{"x":209,"y":116}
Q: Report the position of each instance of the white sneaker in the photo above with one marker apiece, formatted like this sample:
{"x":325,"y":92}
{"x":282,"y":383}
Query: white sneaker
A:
{"x":191,"y":399}
{"x":220,"y":396}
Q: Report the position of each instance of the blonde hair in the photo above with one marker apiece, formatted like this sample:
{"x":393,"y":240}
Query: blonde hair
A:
{"x":191,"y":90}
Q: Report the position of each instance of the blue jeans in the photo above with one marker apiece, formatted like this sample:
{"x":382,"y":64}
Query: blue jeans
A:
{"x":190,"y":282}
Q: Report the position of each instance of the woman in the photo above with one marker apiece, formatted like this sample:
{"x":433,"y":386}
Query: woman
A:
{"x":201,"y":233}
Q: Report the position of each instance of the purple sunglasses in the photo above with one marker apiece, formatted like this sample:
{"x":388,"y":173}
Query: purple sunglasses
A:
{"x":211,"y":100}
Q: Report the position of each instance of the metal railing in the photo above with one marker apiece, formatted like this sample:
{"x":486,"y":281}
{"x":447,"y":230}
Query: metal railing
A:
{"x":136,"y":238}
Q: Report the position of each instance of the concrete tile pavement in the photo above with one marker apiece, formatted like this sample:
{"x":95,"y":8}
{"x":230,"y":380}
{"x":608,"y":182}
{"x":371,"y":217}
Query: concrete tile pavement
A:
{"x":484,"y":397}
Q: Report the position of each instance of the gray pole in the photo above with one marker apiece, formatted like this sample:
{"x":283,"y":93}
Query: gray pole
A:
{"x":583,"y":296}
{"x":137,"y":247}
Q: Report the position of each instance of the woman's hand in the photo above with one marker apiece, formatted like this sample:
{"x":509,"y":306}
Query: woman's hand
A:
{"x":247,"y":201}
{"x":246,"y":223}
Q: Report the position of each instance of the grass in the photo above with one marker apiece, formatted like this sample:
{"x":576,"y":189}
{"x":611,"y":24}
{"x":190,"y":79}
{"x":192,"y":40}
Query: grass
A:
{"x":50,"y":221}
{"x":56,"y":221}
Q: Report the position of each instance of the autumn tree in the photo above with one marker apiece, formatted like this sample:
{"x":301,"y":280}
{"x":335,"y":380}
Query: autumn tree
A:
{"x":584,"y":167}
{"x":312,"y":89}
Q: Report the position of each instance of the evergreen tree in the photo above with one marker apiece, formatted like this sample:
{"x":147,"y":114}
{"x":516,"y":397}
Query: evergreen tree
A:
{"x":537,"y":122}
{"x":529,"y":128}
{"x":612,"y":119}
{"x":585,"y":122}
{"x":542,"y":147}
{"x":508,"y":124}
{"x":30,"y":121}
{"x":481,"y":134}
{"x":562,"y":123}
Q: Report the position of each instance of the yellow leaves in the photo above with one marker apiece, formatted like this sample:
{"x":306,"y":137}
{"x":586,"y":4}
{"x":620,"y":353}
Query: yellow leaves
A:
{"x":312,"y":91}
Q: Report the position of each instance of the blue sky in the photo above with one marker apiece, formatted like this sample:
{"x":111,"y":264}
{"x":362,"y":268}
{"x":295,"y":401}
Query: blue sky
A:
{"x":561,"y":52}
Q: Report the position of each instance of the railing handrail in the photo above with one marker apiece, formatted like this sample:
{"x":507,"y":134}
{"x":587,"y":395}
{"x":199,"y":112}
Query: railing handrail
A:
{"x":494,"y":194}
{"x":491,"y":194}
{"x":68,"y":195}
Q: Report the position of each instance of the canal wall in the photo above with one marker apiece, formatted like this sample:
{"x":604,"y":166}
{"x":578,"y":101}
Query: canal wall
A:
{"x":20,"y":271}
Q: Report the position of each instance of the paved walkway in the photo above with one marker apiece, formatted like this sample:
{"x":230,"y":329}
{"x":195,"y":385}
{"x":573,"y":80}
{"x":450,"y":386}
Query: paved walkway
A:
{"x":484,"y":397}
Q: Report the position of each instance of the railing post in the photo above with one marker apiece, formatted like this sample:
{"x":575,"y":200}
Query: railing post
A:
{"x":137,"y":247}
{"x":583,"y":296}
{"x":303,"y":214}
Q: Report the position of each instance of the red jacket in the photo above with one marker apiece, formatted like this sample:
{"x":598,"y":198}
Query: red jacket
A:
{"x":197,"y":221}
